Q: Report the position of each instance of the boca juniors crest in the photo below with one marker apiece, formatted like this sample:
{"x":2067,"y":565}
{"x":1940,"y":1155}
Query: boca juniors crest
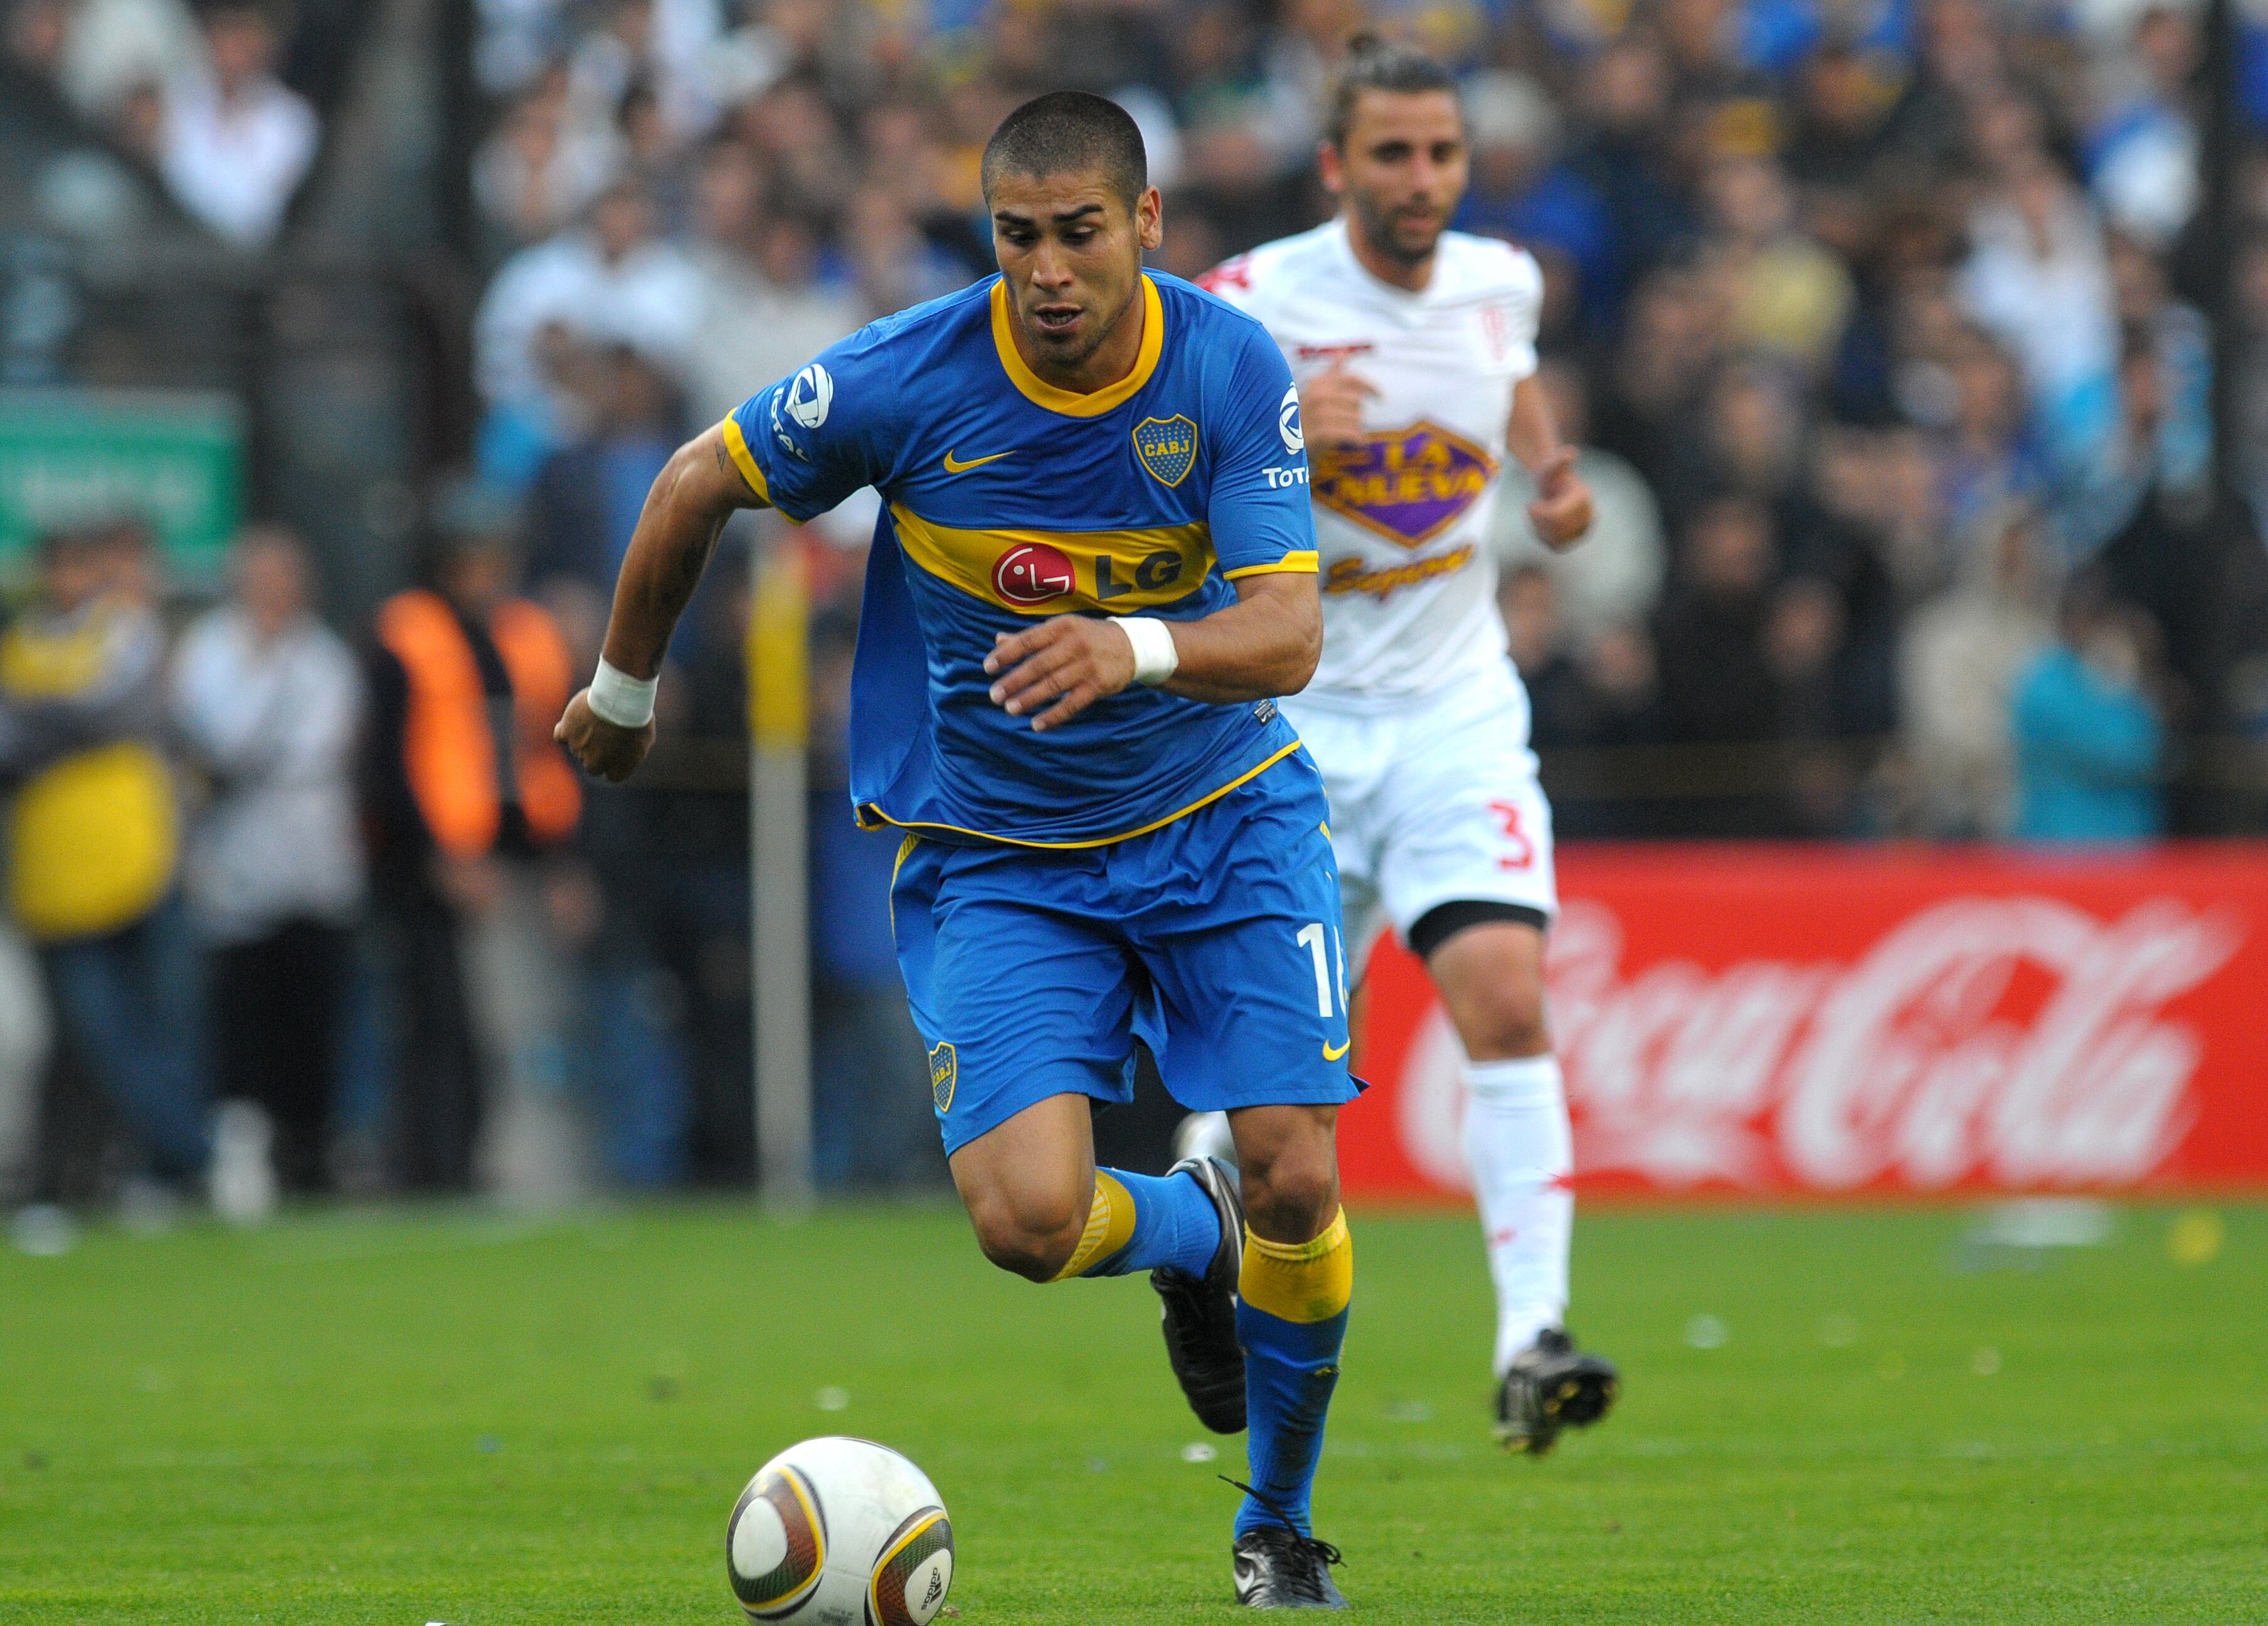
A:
{"x":944,"y":1073}
{"x":1168,"y":447}
{"x":1409,"y":485}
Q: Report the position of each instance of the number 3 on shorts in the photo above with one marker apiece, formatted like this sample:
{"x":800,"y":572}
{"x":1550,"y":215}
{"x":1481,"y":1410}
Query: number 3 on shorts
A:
{"x":1311,"y":938}
{"x":1523,"y":850}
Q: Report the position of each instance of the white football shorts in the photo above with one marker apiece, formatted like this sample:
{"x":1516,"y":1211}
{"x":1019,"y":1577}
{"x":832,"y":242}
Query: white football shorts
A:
{"x":1432,"y":802}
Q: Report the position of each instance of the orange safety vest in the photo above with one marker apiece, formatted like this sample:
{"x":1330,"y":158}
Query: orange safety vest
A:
{"x":448,"y":750}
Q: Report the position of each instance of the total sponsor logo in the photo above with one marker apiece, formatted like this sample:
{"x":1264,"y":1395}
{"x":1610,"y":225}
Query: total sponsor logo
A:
{"x":809,"y":394}
{"x":2019,"y":1041}
{"x":787,"y":442}
{"x":1287,"y":420}
{"x":804,"y":400}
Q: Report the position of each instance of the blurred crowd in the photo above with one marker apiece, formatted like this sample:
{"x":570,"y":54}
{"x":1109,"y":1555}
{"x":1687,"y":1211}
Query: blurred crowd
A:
{"x":348,"y":887}
{"x":196,"y":96}
{"x":1878,"y":322}
{"x":1882,"y":326}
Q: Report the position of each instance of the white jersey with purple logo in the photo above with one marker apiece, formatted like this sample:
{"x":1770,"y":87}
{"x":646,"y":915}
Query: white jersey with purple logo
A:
{"x":1402,"y":520}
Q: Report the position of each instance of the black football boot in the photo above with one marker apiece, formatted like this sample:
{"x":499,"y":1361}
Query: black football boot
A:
{"x":1552,"y":1385}
{"x":1200,"y":1311}
{"x":1277,"y":1567}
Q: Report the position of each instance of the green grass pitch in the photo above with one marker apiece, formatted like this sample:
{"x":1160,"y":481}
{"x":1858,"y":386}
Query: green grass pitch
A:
{"x":475,"y":1419}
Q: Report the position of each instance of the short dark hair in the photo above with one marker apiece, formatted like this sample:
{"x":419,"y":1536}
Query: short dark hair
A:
{"x":1374,"y":63}
{"x":1069,"y":130}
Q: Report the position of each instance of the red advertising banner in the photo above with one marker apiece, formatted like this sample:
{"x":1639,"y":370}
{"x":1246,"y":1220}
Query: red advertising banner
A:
{"x":1875,"y":1021}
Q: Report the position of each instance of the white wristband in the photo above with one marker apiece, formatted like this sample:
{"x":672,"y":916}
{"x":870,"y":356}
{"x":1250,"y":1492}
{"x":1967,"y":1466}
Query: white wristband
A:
{"x":1156,"y":656}
{"x":619,"y":698}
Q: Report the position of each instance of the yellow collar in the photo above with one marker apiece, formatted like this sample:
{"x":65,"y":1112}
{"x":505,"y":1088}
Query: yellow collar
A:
{"x":1071,"y":403}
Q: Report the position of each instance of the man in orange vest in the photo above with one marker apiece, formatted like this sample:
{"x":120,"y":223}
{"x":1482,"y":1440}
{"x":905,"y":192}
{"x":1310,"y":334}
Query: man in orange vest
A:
{"x":466,"y":680}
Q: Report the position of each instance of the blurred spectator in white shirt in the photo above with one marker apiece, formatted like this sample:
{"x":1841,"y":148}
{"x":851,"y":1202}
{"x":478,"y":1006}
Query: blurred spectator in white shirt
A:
{"x":659,"y":43}
{"x":235,"y":142}
{"x":111,"y":48}
{"x":1957,"y":664}
{"x":540,"y":170}
{"x":2038,"y":278}
{"x":614,"y":280}
{"x":268,"y":701}
{"x":762,"y":310}
{"x":2142,"y":155}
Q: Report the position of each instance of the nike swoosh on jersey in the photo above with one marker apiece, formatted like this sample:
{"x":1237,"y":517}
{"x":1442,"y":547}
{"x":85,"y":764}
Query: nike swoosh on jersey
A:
{"x":1330,"y":1054}
{"x":954,"y":468}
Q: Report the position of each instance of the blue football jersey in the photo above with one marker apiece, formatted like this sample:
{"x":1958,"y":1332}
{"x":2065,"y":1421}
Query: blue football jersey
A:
{"x":1006,"y":499}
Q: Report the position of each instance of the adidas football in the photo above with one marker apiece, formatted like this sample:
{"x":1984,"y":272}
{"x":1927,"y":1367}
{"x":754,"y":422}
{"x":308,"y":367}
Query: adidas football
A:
{"x":839,"y":1531}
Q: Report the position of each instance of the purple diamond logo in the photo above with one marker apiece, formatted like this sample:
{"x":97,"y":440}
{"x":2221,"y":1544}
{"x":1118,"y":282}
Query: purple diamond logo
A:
{"x":1409,"y":485}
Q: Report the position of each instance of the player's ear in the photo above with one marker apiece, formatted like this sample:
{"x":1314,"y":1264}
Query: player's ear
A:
{"x":1330,"y":168}
{"x":1150,"y":218}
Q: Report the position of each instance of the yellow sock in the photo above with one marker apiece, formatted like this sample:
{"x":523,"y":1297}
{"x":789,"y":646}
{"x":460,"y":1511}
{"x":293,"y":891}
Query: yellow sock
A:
{"x":1302,"y":1282}
{"x":1110,"y":1223}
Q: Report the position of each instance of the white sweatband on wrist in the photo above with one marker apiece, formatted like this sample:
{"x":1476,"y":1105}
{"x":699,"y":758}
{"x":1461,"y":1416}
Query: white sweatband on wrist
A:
{"x":1156,"y":656}
{"x":619,"y":698}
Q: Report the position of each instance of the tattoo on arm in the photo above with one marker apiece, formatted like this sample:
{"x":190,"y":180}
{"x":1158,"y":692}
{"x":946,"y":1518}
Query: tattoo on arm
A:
{"x":690,"y":565}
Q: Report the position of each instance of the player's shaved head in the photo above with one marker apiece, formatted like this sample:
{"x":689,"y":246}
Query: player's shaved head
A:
{"x":1073,"y":212}
{"x":1069,"y":132}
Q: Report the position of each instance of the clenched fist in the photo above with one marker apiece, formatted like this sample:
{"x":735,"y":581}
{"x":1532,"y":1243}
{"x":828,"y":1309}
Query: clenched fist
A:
{"x":607,"y":750}
{"x":1561,"y":512}
{"x":1330,"y":406}
{"x":1059,"y":668}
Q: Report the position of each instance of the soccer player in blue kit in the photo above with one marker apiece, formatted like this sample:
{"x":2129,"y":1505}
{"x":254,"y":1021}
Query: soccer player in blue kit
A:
{"x":1094,"y":571}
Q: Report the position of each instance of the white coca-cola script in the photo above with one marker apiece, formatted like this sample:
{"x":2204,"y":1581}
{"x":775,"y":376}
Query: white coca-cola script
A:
{"x":2019,"y":1041}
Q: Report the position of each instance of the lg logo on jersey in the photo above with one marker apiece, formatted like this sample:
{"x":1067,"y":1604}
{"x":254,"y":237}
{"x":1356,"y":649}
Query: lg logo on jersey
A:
{"x":1036,"y":573}
{"x":1033,"y":574}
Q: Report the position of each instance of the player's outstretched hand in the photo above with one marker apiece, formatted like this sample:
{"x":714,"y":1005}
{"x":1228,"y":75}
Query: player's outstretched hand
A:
{"x":607,"y":750}
{"x":1330,"y":406}
{"x":1561,"y":512}
{"x":1059,"y":668}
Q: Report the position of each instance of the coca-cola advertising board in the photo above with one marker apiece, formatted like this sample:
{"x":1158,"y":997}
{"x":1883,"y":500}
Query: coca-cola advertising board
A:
{"x":1849,"y":1021}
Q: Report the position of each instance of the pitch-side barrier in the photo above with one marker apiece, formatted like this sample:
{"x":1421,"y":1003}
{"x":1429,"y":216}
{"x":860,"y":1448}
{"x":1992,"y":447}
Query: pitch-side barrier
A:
{"x":1900,"y":1021}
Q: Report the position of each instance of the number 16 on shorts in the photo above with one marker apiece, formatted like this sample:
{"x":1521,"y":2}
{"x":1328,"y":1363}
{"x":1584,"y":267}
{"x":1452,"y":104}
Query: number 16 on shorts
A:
{"x":1330,"y":976}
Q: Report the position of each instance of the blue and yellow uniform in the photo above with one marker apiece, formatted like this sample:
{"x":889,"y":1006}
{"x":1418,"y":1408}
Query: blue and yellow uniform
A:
{"x":1157,"y":866}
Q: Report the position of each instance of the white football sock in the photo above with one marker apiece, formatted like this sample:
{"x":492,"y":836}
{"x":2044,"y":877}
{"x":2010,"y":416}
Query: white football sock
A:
{"x":1517,"y":1146}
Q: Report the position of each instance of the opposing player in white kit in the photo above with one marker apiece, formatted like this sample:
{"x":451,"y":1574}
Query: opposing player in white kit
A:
{"x":1414,"y":349}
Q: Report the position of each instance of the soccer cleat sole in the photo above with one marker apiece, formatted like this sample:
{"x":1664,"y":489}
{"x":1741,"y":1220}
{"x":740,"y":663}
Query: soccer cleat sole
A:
{"x":1579,"y":1400}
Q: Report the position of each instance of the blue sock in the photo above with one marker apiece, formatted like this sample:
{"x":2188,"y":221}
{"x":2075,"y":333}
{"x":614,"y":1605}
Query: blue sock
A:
{"x":1291,"y":1318}
{"x":1141,"y":1222}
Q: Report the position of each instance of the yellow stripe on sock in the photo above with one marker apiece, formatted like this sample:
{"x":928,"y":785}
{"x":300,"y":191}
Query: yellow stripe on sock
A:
{"x":1110,"y":1224}
{"x":1299,"y":1281}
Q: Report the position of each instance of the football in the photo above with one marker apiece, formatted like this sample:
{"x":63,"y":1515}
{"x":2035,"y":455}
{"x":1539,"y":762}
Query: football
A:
{"x":839,"y":1531}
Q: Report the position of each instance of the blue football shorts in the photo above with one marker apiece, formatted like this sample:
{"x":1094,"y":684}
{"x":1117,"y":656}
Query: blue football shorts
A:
{"x":1215,"y":938}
